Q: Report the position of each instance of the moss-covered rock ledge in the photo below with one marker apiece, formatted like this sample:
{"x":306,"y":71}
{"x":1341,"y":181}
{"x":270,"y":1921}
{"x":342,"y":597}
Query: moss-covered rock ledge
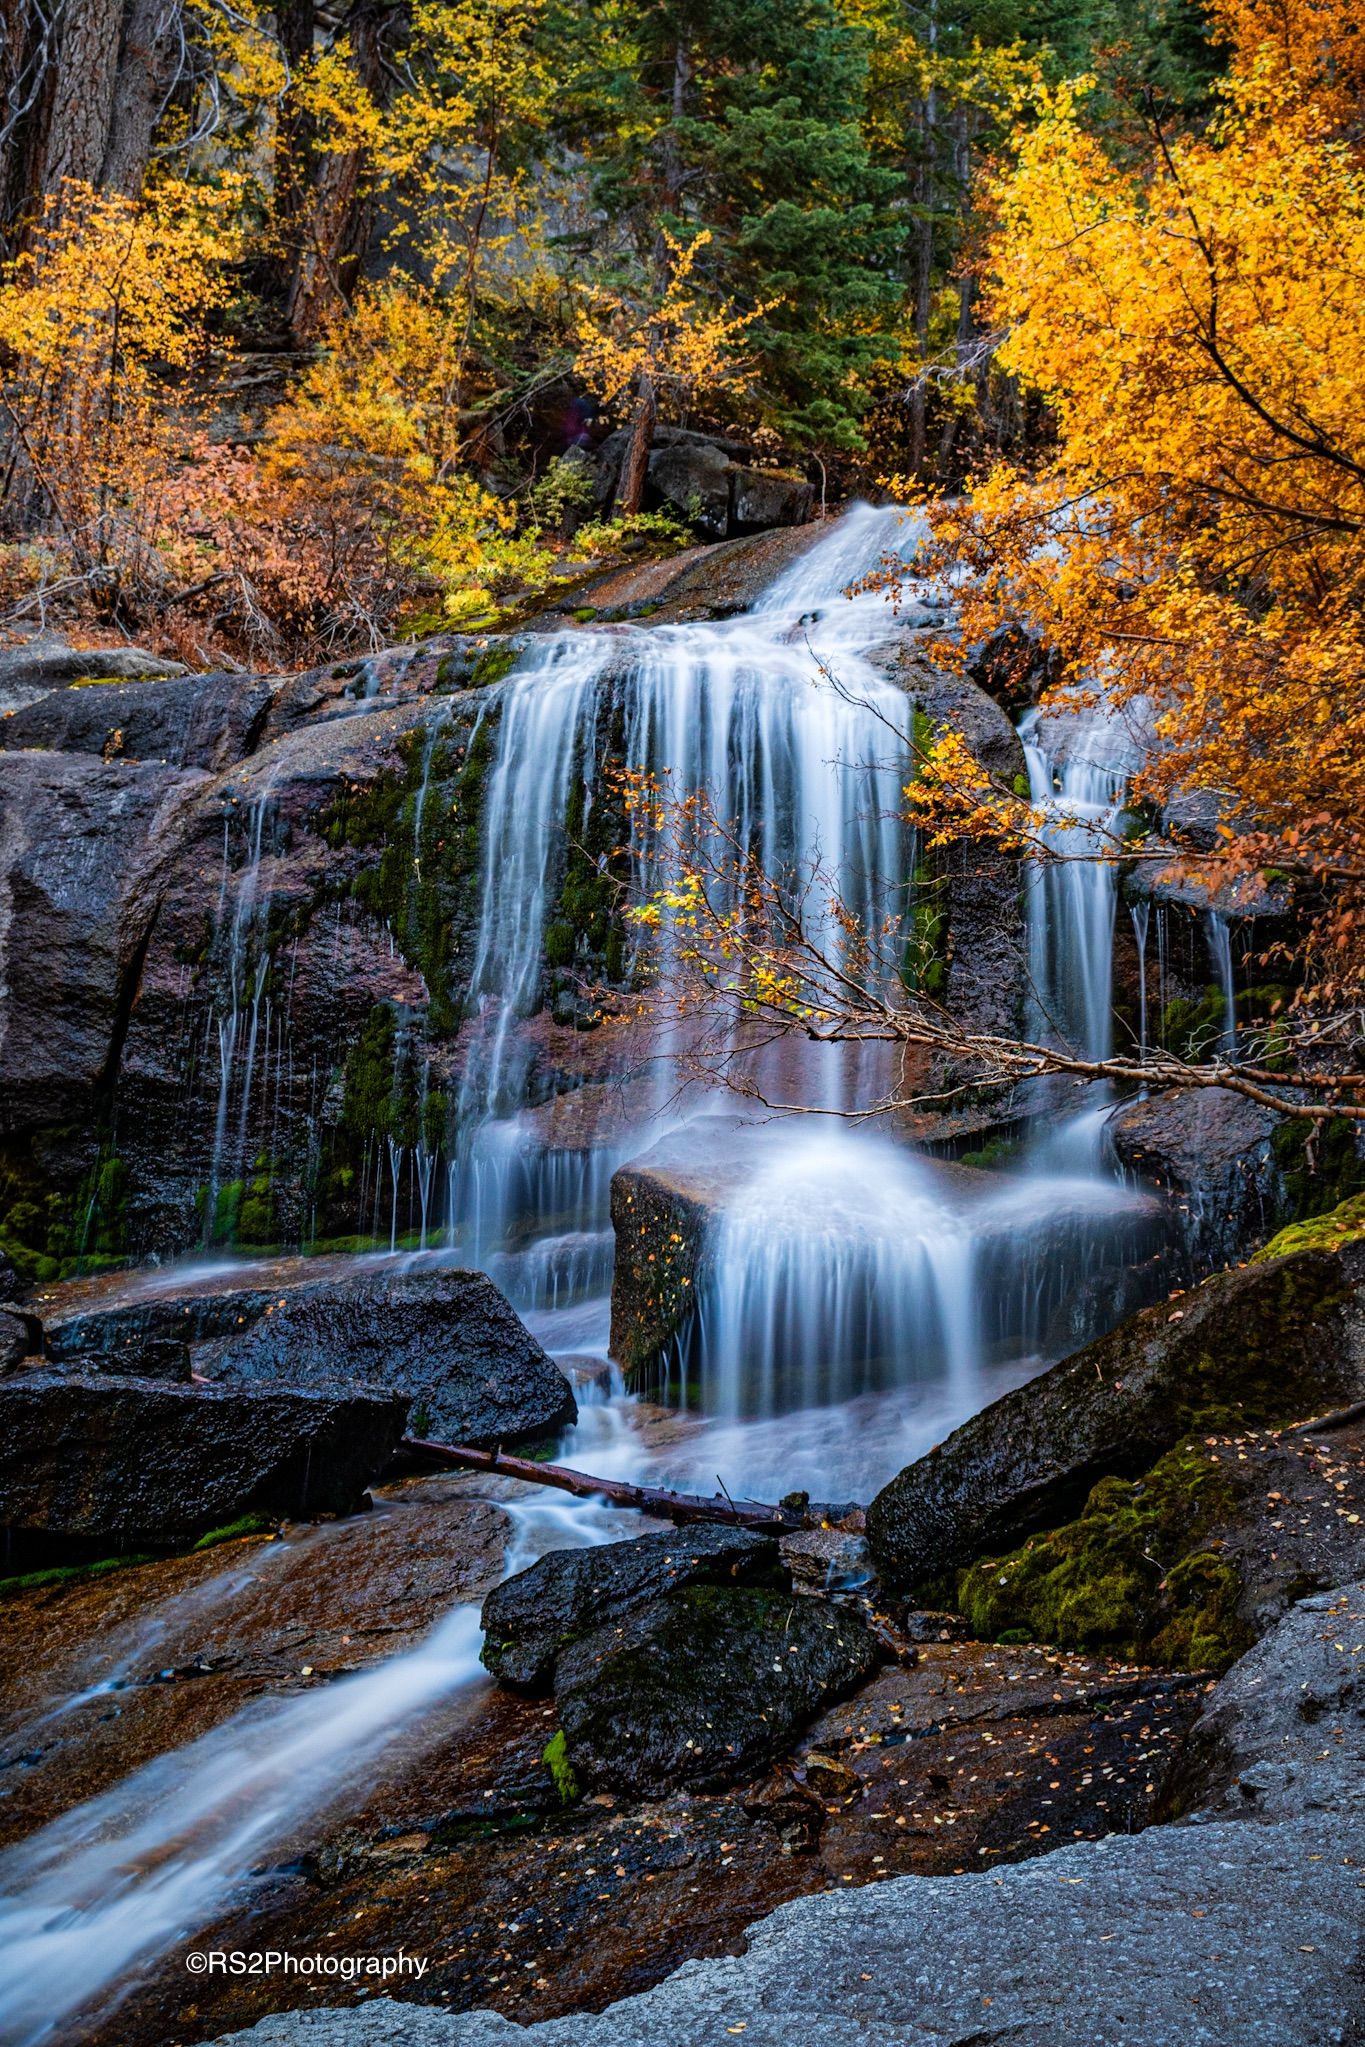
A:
{"x":1140,"y":1495}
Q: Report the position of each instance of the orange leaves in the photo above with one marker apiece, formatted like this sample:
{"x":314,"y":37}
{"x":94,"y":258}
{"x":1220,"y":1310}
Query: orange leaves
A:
{"x":1195,"y":323}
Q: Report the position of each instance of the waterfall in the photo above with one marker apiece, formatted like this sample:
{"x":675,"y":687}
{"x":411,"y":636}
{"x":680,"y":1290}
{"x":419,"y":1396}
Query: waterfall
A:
{"x":121,"y":1877}
{"x":1078,"y":770}
{"x":247,"y":977}
{"x":741,"y":708}
{"x":1141,"y":913}
{"x":1218,"y":931}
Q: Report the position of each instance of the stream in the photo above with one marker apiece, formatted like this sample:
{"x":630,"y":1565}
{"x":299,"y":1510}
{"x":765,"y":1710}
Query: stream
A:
{"x":864,"y":1299}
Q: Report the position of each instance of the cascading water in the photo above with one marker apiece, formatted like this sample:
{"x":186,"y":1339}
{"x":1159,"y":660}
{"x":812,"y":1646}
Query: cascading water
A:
{"x":737,"y":708}
{"x":118,"y":1879}
{"x":1219,"y":933}
{"x":1078,"y":775}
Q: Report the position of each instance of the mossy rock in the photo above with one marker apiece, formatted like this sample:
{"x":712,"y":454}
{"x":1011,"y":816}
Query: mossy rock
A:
{"x":703,"y":1687}
{"x":1106,"y":1580}
{"x":1345,"y":1224}
{"x":1265,"y":1343}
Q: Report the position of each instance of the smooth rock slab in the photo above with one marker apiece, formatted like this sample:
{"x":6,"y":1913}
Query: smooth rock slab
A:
{"x":532,"y":1617}
{"x":134,"y":1462}
{"x":701,"y":1687}
{"x":1270,"y":1342}
{"x":1223,"y":1932}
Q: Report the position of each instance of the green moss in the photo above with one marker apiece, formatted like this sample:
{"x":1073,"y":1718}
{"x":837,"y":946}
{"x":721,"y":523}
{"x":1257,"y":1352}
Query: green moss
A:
{"x":1191,"y":1027}
{"x":233,"y":1531}
{"x":1319,"y":1164}
{"x":69,"y":1574}
{"x":555,"y":1757}
{"x":1345,"y":1224}
{"x":1132,"y":1575}
{"x":494,"y":666}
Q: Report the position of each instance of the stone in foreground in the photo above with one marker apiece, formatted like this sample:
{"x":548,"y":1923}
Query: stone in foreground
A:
{"x":136,"y":1463}
{"x":1238,"y":1931}
{"x":449,"y":1341}
{"x":703,"y":1686}
{"x":1271,"y":1342}
{"x":533,"y":1617}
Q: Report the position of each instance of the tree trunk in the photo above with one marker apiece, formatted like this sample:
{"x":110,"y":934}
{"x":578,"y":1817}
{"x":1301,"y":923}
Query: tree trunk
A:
{"x":334,"y":224}
{"x":295,"y":133}
{"x":150,"y":59}
{"x":630,"y":491}
{"x":923,"y":274}
{"x":82,"y":95}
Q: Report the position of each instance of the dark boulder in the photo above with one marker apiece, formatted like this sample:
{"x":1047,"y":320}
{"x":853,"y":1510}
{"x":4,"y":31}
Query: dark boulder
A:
{"x":700,"y":1688}
{"x":132,"y":1462}
{"x":16,"y":1339}
{"x":155,"y":1357}
{"x":533,"y":1617}
{"x":1212,"y":1153}
{"x":762,"y":498}
{"x":1269,"y":1342}
{"x":196,"y":721}
{"x":449,"y":1341}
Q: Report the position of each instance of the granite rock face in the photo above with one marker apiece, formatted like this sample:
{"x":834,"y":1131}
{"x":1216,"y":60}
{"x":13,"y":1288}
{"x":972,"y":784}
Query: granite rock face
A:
{"x":135,"y":1462}
{"x":1270,"y":1342}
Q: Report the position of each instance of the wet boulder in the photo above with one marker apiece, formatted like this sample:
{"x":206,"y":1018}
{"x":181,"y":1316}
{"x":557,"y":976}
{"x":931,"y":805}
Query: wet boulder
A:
{"x":1270,"y":1342}
{"x":134,"y":1463}
{"x":1212,"y":1152}
{"x":448,"y":1341}
{"x":16,"y":1339}
{"x":532,"y":1618}
{"x":700,"y":1688}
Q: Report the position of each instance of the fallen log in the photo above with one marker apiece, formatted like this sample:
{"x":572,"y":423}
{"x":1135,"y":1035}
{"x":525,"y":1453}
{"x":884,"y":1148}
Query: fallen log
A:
{"x":671,"y":1506}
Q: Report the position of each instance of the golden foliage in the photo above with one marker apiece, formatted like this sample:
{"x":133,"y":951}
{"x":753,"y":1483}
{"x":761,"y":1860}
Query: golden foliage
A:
{"x":1196,"y":324}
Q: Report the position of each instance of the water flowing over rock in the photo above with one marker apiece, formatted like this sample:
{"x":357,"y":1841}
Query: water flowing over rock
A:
{"x":532,"y":1617}
{"x":131,"y":1462}
{"x":1240,"y":1926}
{"x":794,"y":1268}
{"x":1270,"y":1342}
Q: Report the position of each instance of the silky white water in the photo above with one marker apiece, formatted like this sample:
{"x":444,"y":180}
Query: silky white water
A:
{"x":118,"y":1880}
{"x":805,"y":773}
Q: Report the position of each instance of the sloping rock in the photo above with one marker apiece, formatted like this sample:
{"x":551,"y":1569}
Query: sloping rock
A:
{"x":702,"y":1686}
{"x":1240,"y":1930}
{"x":532,"y":1618}
{"x":191,"y":721}
{"x":84,"y":847}
{"x":448,"y":1341}
{"x":130,"y":1461}
{"x":1211,"y":1152}
{"x":1269,"y":1342}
